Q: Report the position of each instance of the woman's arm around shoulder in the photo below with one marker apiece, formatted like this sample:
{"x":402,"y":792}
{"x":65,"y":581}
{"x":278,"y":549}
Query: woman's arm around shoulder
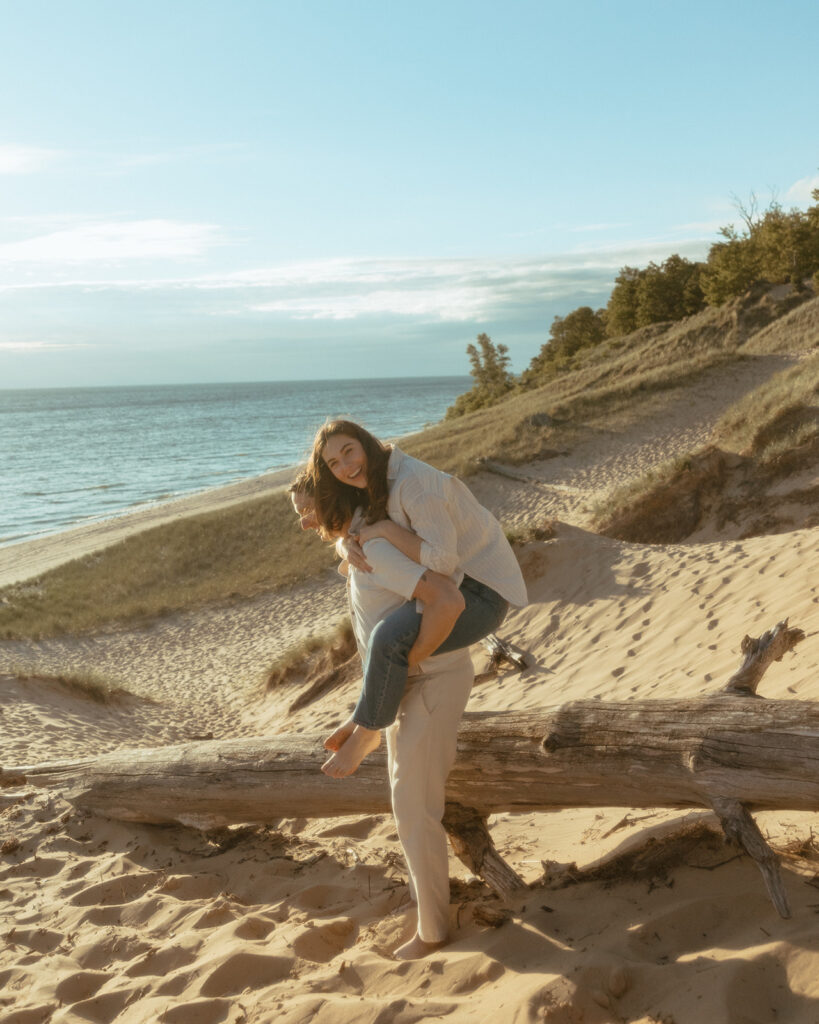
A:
{"x":423,"y":500}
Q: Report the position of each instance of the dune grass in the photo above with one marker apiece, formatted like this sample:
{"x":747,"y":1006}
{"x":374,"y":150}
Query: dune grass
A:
{"x":237,"y":552}
{"x":92,"y":685}
{"x":338,"y":644}
{"x":781,"y":414}
{"x":775,"y":428}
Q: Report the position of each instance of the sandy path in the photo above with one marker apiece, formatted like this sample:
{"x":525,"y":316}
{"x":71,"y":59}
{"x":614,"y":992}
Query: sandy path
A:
{"x":670,"y":425}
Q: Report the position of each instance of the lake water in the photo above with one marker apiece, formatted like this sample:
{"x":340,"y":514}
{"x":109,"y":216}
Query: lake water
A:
{"x":68,"y":455}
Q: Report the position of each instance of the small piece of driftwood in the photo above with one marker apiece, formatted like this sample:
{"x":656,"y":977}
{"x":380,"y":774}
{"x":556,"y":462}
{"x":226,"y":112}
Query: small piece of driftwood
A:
{"x":759,"y":653}
{"x":500,"y":651}
{"x":722,"y":751}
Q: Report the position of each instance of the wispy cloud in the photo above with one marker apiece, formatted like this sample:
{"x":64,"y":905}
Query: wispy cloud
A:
{"x":111,"y":241}
{"x":800,"y":191}
{"x":25,"y":159}
{"x":701,"y":227}
{"x":40,"y":346}
{"x":437,"y":290}
{"x":446,"y":303}
{"x":598,"y":227}
{"x":424,"y":290}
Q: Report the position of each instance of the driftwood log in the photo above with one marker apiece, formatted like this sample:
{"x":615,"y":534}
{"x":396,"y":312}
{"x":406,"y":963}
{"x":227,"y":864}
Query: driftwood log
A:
{"x":732,"y":752}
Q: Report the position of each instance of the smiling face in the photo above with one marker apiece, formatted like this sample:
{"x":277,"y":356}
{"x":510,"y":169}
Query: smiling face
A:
{"x":305,"y":509}
{"x":346,"y":459}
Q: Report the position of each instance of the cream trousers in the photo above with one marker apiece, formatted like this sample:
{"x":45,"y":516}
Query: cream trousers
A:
{"x":421,"y":746}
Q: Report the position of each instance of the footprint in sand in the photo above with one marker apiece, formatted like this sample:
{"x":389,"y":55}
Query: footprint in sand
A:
{"x":31,"y":1014}
{"x":81,"y":985}
{"x":246,"y":971}
{"x":160,"y":962}
{"x":193,"y":887}
{"x":476,"y":973}
{"x":116,"y":891}
{"x":254,"y":928}
{"x":175,"y":984}
{"x":99,"y":952}
{"x":221,"y":912}
{"x":323,"y":898}
{"x":203,"y":1011}
{"x":38,"y":940}
{"x":326,"y":941}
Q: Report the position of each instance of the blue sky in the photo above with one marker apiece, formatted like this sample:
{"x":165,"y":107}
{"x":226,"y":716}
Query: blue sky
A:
{"x":203,"y":191}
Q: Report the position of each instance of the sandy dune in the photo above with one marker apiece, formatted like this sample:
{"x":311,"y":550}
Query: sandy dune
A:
{"x":295,"y":923}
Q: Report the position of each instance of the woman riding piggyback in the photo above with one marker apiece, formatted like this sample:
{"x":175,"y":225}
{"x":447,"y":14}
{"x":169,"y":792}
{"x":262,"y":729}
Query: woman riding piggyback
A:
{"x":432,"y":518}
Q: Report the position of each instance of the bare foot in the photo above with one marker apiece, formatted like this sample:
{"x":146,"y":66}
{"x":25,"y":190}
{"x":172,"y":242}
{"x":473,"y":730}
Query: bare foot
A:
{"x":336,"y":740}
{"x":416,"y":948}
{"x":350,"y":755}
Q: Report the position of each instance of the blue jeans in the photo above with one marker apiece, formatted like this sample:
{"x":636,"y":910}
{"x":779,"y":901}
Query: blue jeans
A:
{"x":386,"y":665}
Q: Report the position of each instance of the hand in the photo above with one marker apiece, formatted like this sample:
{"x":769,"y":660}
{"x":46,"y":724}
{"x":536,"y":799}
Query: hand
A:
{"x":353,"y":553}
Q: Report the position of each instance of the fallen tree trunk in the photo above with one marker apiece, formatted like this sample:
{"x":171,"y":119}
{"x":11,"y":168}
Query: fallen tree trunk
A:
{"x":725,"y":752}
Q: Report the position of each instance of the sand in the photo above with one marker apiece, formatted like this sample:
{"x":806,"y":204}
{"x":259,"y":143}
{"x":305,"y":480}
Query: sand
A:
{"x":295,"y":922}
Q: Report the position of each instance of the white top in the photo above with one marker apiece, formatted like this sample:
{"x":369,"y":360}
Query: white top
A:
{"x":373,"y":595}
{"x":458,"y":535}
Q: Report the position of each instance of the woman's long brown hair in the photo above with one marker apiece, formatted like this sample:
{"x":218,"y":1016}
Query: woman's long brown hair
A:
{"x":337,"y":501}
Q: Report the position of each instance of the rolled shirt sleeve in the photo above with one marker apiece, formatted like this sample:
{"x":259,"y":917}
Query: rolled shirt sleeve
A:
{"x":431,"y":518}
{"x":391,"y":570}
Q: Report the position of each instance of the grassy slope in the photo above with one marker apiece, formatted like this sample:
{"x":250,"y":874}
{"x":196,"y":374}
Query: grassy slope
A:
{"x":602,"y":382}
{"x":775,"y":430}
{"x":238,"y":552}
{"x":256,"y":546}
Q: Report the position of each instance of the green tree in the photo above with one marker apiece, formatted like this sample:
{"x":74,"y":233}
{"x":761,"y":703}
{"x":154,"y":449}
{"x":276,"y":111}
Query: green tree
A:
{"x":776,"y":246}
{"x":788,"y":246}
{"x":621,"y":310}
{"x":580,"y":329}
{"x":489,"y":365}
{"x":489,"y":368}
{"x":731,"y":269}
{"x":668,"y":291}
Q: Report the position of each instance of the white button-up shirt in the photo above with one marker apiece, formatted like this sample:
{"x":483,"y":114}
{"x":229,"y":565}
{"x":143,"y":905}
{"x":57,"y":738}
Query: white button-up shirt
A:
{"x":458,"y":535}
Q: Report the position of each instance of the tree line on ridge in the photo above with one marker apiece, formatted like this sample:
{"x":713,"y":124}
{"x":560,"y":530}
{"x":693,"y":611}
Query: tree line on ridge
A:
{"x":777,"y":246}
